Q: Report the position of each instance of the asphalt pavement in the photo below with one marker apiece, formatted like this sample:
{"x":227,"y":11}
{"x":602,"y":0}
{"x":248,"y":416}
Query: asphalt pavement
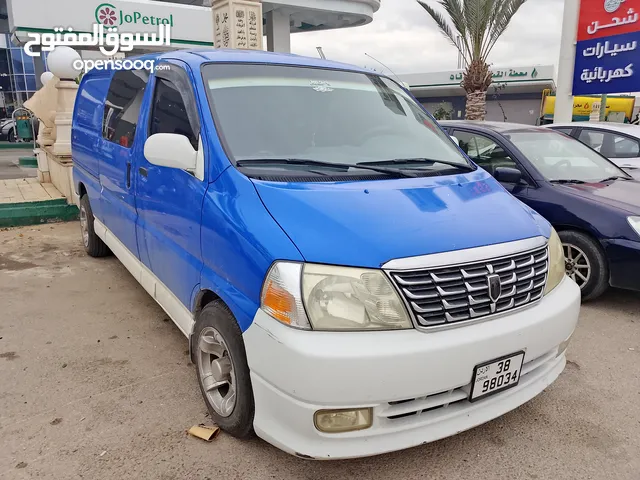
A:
{"x":9,"y":167}
{"x":95,"y":383}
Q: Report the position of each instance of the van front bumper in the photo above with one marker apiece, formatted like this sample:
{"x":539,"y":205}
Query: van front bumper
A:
{"x":416,"y":382}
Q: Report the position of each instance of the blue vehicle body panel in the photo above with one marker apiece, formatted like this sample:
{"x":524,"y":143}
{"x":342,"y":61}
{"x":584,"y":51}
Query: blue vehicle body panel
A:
{"x":240,"y":241}
{"x":86,"y":133}
{"x":118,"y":202}
{"x":169,"y":205}
{"x":369,"y":223}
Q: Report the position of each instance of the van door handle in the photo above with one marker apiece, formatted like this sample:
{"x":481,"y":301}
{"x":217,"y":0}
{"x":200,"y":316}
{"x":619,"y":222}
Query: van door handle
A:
{"x":143,"y":171}
{"x":128,"y":174}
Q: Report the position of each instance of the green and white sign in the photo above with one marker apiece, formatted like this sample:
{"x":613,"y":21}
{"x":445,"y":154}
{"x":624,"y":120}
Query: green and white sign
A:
{"x":190,"y":25}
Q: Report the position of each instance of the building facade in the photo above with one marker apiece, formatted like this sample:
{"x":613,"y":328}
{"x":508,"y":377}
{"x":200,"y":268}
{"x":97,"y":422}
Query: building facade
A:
{"x":515,"y":95}
{"x":18,"y":81}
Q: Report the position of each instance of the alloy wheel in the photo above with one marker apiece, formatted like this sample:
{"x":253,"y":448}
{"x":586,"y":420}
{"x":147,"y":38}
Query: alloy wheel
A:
{"x":215,"y":368}
{"x":577,"y":265}
{"x":84,"y":226}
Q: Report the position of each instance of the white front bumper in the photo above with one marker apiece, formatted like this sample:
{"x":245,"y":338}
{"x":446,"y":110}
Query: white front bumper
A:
{"x":400,"y":374}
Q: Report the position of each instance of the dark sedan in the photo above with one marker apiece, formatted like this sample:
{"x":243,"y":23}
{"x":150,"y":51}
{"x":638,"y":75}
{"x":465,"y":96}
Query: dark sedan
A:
{"x":593,"y":204}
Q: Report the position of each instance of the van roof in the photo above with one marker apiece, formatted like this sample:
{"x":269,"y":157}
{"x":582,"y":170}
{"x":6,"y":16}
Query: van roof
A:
{"x":196,"y":57}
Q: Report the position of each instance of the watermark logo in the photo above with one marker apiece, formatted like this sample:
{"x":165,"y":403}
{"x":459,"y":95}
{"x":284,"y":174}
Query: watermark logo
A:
{"x":106,"y":39}
{"x":118,"y":64}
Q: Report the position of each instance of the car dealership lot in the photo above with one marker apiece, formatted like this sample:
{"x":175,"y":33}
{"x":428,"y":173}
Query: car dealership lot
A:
{"x":95,"y":381}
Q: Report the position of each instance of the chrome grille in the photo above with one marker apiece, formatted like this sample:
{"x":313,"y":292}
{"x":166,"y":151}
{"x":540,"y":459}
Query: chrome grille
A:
{"x":445,"y":295}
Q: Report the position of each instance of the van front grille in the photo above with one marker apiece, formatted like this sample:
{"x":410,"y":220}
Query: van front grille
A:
{"x":447,"y":295}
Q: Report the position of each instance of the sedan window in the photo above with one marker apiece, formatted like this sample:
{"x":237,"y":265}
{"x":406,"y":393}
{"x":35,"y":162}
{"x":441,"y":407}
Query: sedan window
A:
{"x":610,"y":144}
{"x":565,"y":130}
{"x":558,"y":157}
{"x":484,"y":151}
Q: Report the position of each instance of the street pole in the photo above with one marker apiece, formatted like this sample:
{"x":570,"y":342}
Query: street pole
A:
{"x":563,"y":111}
{"x":603,"y":107}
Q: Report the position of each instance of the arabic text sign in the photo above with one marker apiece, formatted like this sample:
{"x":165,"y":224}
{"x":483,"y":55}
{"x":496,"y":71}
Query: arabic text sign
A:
{"x":608,"y":47}
{"x":602,"y":18}
{"x":503,"y":75}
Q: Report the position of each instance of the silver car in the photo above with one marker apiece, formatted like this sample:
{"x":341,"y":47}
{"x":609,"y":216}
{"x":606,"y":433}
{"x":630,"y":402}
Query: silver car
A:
{"x":619,"y":142}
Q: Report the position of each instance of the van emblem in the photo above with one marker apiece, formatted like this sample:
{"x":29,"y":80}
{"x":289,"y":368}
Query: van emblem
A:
{"x":495,"y":287}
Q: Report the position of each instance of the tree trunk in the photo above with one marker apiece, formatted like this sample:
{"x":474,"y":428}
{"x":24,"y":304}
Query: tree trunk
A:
{"x":476,"y":105}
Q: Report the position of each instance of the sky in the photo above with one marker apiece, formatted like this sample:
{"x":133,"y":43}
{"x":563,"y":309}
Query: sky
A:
{"x":405,"y":38}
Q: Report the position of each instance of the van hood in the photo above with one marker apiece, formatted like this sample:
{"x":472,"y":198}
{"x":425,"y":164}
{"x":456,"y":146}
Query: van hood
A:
{"x":368,"y":223}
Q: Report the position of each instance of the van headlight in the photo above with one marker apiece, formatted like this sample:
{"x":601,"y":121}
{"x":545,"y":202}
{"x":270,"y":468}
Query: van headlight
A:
{"x":326,"y":297}
{"x":556,"y":262}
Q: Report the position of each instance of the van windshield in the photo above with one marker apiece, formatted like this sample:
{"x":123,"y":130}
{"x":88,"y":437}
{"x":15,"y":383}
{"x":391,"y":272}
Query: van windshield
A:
{"x":270,"y":113}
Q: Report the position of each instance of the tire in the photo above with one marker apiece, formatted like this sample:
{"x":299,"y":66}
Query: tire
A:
{"x":584,"y":250}
{"x":11,"y":136}
{"x":216,"y":323}
{"x":93,"y":245}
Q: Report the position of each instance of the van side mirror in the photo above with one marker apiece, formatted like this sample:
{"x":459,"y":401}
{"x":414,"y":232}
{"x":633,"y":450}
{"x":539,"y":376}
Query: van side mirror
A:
{"x":507,"y":175}
{"x":170,"y":150}
{"x":455,"y":140}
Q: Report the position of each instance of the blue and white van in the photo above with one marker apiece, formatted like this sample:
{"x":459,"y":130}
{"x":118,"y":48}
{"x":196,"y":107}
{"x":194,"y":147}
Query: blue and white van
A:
{"x":348,"y":281}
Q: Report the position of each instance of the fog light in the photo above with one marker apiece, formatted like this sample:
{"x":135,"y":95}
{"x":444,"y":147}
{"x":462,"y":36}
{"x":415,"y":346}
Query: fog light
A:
{"x":345,"y":420}
{"x":563,"y":346}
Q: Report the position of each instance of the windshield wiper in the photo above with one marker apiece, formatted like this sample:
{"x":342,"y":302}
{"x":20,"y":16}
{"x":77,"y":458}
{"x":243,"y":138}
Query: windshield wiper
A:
{"x":414,"y":161}
{"x":567,"y":180}
{"x":614,"y":177}
{"x":318,"y":163}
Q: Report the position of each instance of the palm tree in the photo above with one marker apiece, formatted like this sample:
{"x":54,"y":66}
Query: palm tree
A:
{"x":479,"y":23}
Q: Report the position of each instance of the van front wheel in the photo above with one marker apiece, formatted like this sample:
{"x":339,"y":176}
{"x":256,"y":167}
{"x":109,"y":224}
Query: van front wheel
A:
{"x":93,"y":245}
{"x":223,"y":373}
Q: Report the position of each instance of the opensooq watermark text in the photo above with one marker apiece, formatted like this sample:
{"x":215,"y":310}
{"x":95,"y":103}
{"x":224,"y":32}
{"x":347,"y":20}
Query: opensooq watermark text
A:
{"x":107,"y":40}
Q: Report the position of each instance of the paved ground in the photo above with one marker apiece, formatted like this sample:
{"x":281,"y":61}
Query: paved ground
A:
{"x":19,"y":190}
{"x":95,"y":383}
{"x":9,"y":167}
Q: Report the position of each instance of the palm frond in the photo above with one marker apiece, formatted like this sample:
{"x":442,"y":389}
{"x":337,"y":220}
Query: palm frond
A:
{"x":479,"y":23}
{"x":503,"y":14}
{"x":445,"y":27}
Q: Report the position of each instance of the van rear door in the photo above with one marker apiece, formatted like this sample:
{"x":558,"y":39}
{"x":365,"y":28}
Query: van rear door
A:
{"x":117,"y":148}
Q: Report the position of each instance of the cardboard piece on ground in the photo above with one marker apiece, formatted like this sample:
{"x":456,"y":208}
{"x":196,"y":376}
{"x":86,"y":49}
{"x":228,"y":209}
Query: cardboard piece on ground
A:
{"x":205,"y":432}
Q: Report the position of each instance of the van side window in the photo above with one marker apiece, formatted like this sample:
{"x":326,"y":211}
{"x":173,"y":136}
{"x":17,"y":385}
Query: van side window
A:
{"x":169,"y":113}
{"x":123,"y":106}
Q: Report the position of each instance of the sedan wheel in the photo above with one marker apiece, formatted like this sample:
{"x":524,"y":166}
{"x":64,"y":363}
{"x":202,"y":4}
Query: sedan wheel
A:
{"x":576,"y":264}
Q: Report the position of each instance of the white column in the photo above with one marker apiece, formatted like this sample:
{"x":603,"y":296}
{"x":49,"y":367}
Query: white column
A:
{"x":563,"y":111}
{"x":237,"y":24}
{"x":67,"y":90}
{"x":278,"y":32}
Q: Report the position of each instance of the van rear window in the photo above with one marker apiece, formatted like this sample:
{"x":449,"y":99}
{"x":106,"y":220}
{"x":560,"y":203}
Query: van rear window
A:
{"x":122,"y":107}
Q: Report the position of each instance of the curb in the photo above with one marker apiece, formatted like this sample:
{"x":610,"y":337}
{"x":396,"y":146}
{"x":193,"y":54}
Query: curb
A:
{"x":16,"y":146}
{"x":29,"y":162}
{"x":33,"y":213}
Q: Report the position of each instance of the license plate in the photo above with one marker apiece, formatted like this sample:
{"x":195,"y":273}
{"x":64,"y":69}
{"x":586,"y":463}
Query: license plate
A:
{"x":496,"y":375}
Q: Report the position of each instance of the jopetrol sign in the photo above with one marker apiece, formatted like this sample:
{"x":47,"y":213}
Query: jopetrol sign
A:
{"x":608,"y":47}
{"x":110,"y":16}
